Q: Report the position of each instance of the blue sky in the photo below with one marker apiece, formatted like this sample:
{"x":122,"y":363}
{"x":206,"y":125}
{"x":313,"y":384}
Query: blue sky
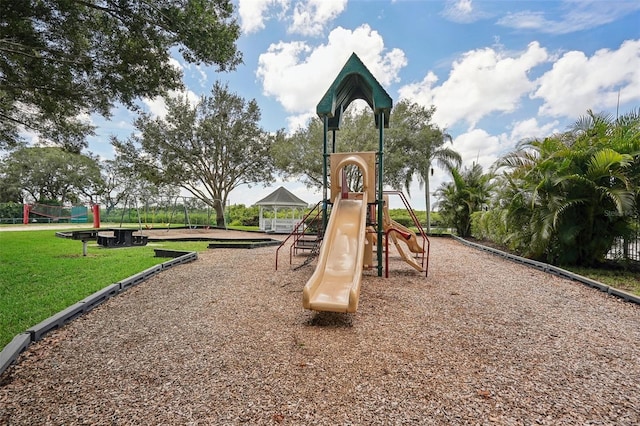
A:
{"x":497,"y":71}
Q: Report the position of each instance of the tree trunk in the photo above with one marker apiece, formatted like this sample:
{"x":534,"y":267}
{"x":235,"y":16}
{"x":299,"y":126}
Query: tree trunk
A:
{"x":427,"y":199}
{"x":219,"y":208}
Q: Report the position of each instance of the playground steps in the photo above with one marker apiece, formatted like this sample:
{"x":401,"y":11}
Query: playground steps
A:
{"x":307,"y":242}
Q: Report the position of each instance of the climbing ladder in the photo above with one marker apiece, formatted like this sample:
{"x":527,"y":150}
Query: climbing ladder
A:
{"x":306,"y":236}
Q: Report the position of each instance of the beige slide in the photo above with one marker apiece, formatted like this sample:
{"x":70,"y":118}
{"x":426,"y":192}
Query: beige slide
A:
{"x":405,"y":235}
{"x":335,"y":283}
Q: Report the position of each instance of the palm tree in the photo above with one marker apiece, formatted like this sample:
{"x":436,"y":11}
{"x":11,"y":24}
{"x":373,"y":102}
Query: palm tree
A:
{"x":469,"y":192}
{"x":573,"y":189}
{"x":415,"y":145}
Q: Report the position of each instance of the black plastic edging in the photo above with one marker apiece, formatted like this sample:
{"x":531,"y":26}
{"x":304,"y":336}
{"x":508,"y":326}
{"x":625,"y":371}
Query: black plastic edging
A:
{"x":136,"y":279}
{"x":19,"y":343}
{"x":545,"y":267}
{"x":56,"y":321}
{"x":100,"y":296}
{"x":10,"y":352}
{"x":160,"y":252}
{"x":179,"y":257}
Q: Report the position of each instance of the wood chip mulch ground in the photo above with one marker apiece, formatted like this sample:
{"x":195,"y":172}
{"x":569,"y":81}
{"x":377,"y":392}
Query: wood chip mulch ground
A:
{"x":225,"y":341}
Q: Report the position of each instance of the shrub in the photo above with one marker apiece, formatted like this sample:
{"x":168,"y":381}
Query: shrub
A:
{"x":490,"y":225}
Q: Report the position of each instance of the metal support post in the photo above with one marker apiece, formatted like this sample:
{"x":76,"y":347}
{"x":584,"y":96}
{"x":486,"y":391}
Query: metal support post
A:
{"x":380,"y":190}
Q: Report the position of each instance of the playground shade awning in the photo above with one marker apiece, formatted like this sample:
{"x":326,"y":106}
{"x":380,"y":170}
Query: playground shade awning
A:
{"x":282,"y":197}
{"x":353,"y":82}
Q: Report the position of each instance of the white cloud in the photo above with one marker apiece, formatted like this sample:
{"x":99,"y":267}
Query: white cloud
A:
{"x":577,"y":83}
{"x":32,"y":137}
{"x":158,"y":107}
{"x":308,"y":17}
{"x":530,"y":128}
{"x":311,"y":17}
{"x":576,"y":15}
{"x":481,"y":82}
{"x":176,"y":64}
{"x":462,"y":11}
{"x":300,"y":121}
{"x":298,"y":75}
{"x":478,"y":146}
{"x":203,"y":75}
{"x":253,"y":13}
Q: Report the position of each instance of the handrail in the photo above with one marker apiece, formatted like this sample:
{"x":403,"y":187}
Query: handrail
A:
{"x":425,"y":238}
{"x":295,"y":233}
{"x":386,"y":247}
{"x":298,"y":236}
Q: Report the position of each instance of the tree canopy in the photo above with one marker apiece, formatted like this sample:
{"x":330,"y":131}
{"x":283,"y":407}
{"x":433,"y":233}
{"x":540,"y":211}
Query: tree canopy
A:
{"x":468,"y":192}
{"x":412,"y":145}
{"x":43,"y":174}
{"x":123,"y":185}
{"x":208,"y":149}
{"x":300,"y":155}
{"x":62,"y":59}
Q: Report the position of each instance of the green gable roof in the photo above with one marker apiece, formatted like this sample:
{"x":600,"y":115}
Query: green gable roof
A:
{"x":353,"y":82}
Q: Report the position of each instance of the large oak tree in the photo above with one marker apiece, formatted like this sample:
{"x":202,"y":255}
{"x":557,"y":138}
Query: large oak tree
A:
{"x":208,"y":149}
{"x":63,"y":58}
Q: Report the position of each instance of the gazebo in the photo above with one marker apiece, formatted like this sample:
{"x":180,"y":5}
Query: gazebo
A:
{"x":281,"y":200}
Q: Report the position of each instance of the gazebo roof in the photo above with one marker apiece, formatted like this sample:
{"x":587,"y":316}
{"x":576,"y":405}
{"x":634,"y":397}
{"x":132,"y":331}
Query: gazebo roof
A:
{"x":282,"y":197}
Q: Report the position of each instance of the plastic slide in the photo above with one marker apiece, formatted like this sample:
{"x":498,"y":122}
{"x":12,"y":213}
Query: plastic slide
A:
{"x":406,"y":257}
{"x":335,"y":283}
{"x":411,"y":241}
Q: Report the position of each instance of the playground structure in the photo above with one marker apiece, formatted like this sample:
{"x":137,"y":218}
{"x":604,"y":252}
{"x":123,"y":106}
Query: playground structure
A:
{"x":348,"y":223}
{"x":162,"y":212}
{"x":345,"y":249}
{"x":72,"y":214}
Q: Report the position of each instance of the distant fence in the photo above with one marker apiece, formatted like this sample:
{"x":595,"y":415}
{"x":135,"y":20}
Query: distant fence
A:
{"x":627,"y":248}
{"x":14,"y":213}
{"x":181,"y":211}
{"x":11,"y":220}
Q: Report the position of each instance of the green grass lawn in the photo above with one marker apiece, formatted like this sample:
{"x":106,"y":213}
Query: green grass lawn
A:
{"x":628,"y":281}
{"x":41,"y":274}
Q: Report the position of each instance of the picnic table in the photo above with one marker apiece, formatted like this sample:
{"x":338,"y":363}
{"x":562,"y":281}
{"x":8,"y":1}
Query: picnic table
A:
{"x":122,"y":237}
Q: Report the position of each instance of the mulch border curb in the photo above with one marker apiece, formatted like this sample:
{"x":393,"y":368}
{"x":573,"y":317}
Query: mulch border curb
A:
{"x":545,"y":267}
{"x":22,"y":341}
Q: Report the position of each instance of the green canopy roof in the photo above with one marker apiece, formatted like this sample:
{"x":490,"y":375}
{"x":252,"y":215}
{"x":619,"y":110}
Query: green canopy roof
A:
{"x":355,"y":81}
